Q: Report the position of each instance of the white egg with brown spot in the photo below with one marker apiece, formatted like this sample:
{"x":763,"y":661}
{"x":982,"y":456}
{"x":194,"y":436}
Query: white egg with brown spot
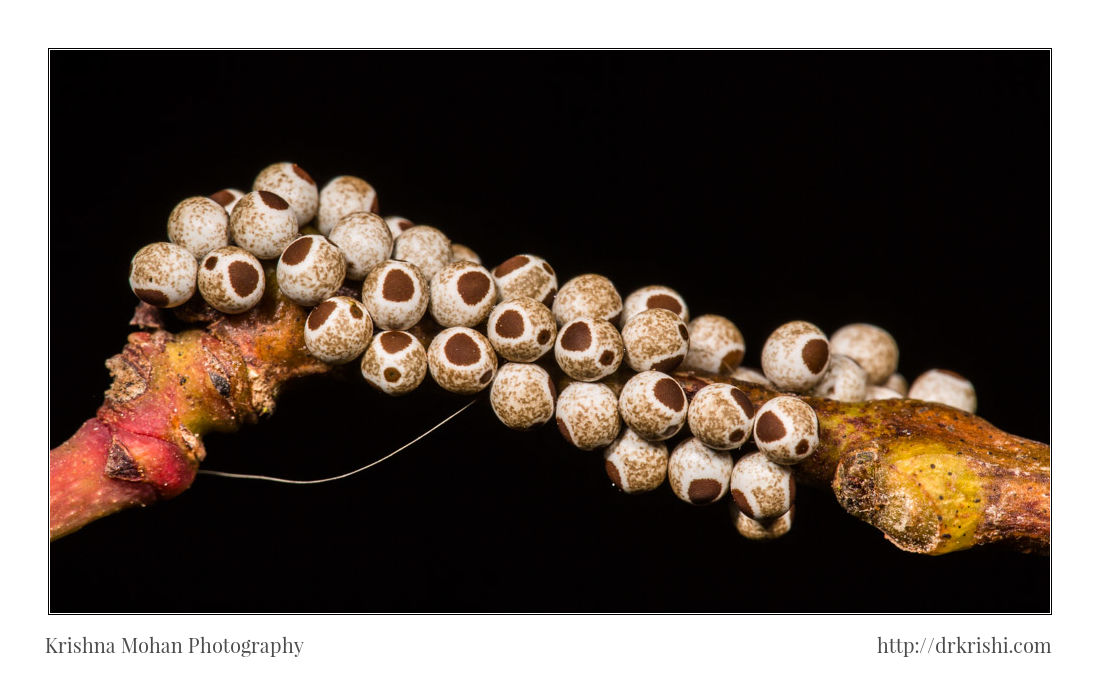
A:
{"x":231,"y":279}
{"x":310,"y":270}
{"x":589,"y":295}
{"x":655,"y":338}
{"x":227,"y":198}
{"x":844,"y":380}
{"x":365,"y":241}
{"x":653,"y":296}
{"x":338,"y":330}
{"x":654,"y":405}
{"x":786,"y":430}
{"x":698,"y":474}
{"x":163,"y":274}
{"x":528,"y":276}
{"x":462,"y":294}
{"x":761,"y":488}
{"x":342,"y":196}
{"x":588,"y":349}
{"x":898,"y":384}
{"x":464,"y":253}
{"x":426,"y":247}
{"x":291,"y":182}
{"x":588,"y":415}
{"x":946,"y":387}
{"x":769,"y":529}
{"x":750,"y":375}
{"x":396,"y":294}
{"x":461,"y":360}
{"x":882,"y":393}
{"x":521,"y":330}
{"x":715,"y":345}
{"x":398,"y":225}
{"x":795,"y":356}
{"x":199,"y":224}
{"x":870,"y":346}
{"x":634,"y":464}
{"x":263,"y":224}
{"x":720,"y":416}
{"x":522,"y":396}
{"x":394,"y":362}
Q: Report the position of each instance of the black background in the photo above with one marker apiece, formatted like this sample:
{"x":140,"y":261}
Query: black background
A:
{"x":906,"y":189}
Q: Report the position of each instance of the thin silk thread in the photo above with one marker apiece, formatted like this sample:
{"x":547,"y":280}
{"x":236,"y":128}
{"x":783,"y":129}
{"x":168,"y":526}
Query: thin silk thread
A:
{"x":280,"y":480}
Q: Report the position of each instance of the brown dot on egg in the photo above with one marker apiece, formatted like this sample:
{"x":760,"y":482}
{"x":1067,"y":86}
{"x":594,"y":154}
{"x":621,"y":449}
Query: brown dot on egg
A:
{"x":510,"y":325}
{"x":210,"y":263}
{"x":731,"y":360}
{"x":223,"y":198}
{"x":683,"y":331}
{"x":769,"y":428}
{"x":544,"y":336}
{"x":737,"y":435}
{"x":394,"y":342}
{"x":666,"y":302}
{"x":802,"y":447}
{"x":297,"y":251}
{"x":669,"y":364}
{"x":743,"y":401}
{"x":607,"y":358}
{"x":397,"y":286}
{"x":577,"y":337}
{"x":356,"y":312}
{"x":815,"y":354}
{"x":564,"y":431}
{"x":702,"y":491}
{"x":243,"y":277}
{"x":319,"y":315}
{"x":613,"y":473}
{"x":486,"y":376}
{"x":302,"y":174}
{"x":549,"y":298}
{"x":547,"y":268}
{"x":670,"y":394}
{"x":461,"y":350}
{"x":742,"y":501}
{"x":510,"y":265}
{"x":391,"y":374}
{"x":273,"y":200}
{"x":472,"y":287}
{"x":154,"y":297}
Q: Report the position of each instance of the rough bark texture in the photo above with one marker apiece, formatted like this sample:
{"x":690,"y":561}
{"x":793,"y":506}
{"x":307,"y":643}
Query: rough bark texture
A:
{"x":932,"y":478}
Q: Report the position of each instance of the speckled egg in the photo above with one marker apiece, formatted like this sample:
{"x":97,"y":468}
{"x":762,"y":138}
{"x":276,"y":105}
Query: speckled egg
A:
{"x":795,"y":356}
{"x":588,"y":349}
{"x":715,"y":345}
{"x":338,"y":330}
{"x":464,"y":253}
{"x":310,"y":270}
{"x":343,"y":196}
{"x":882,"y":393}
{"x":528,"y":276}
{"x":699,"y":475}
{"x":395,"y":363}
{"x":461,"y":360}
{"x":750,"y":375}
{"x":588,"y":415}
{"x":654,"y":405}
{"x":870,"y":346}
{"x":636,"y":465}
{"x":762,"y":489}
{"x":946,"y":387}
{"x":786,"y":430}
{"x":844,"y":380}
{"x":263,"y":224}
{"x":199,"y":224}
{"x":426,"y":247}
{"x":720,"y":416}
{"x":396,"y":294}
{"x":462,"y":293}
{"x":587,"y":296}
{"x":365,"y":241}
{"x":653,"y":296}
{"x":521,"y":330}
{"x":770,"y":529}
{"x":655,"y":338}
{"x":897,"y":383}
{"x":398,"y":225}
{"x":522,"y":396}
{"x":231,"y":279}
{"x":163,"y":274}
{"x":227,"y":198}
{"x":294,"y":185}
